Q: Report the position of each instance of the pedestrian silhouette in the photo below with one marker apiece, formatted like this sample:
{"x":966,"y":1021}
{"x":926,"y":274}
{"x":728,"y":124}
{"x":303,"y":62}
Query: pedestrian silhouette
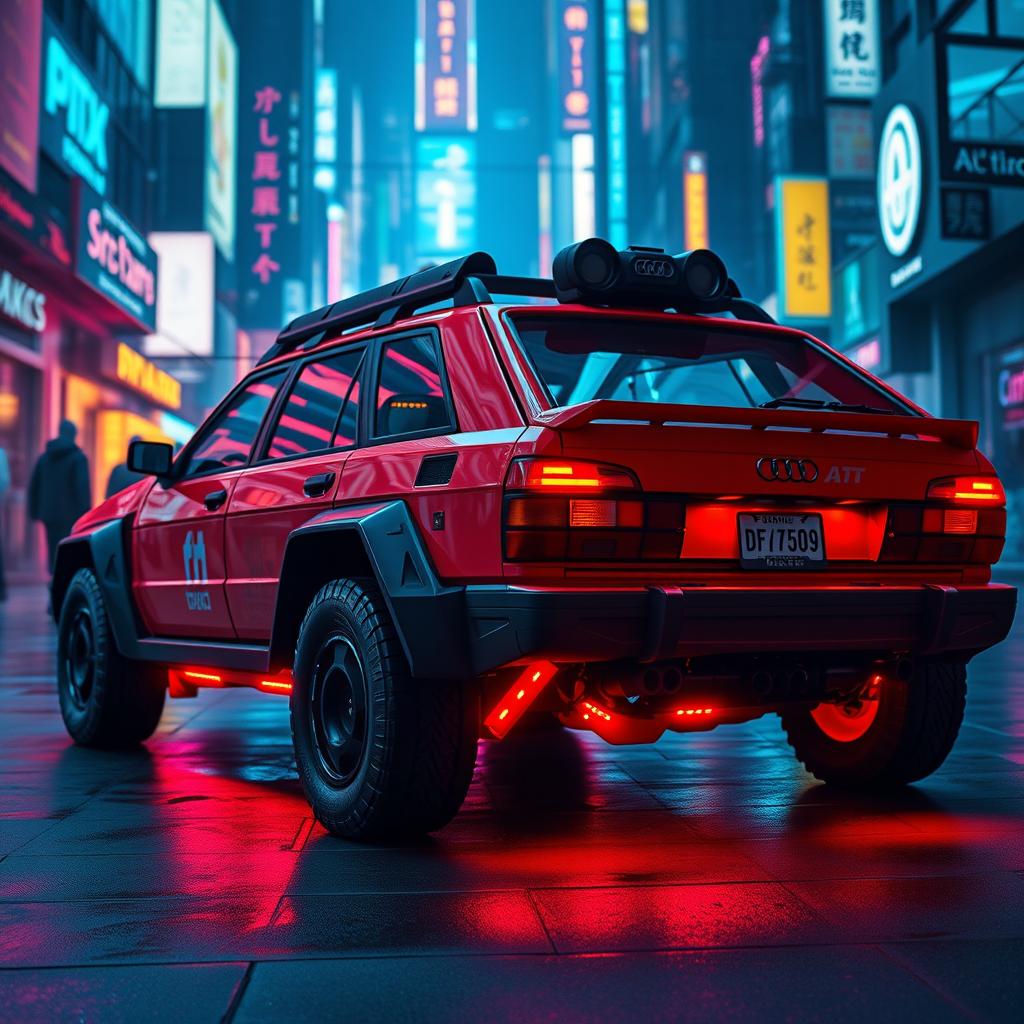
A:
{"x":58,"y":492}
{"x":121,"y":476}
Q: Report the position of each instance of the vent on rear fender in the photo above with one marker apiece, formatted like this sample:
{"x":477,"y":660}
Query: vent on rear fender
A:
{"x":435,"y":470}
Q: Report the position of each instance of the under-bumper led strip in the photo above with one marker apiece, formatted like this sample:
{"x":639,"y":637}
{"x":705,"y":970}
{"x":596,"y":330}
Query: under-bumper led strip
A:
{"x":519,"y":696}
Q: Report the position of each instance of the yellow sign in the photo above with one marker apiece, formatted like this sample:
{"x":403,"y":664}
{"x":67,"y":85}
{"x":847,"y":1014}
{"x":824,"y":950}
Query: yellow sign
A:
{"x":638,"y":17}
{"x":804,"y":254}
{"x":139,"y":373}
{"x":695,"y":201}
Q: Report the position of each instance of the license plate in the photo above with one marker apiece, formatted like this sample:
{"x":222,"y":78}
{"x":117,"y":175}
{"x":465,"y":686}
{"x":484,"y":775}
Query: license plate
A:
{"x":770,"y":540}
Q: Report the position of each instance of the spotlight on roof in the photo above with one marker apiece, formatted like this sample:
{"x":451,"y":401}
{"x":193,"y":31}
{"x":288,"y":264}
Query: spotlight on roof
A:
{"x":595,"y":273}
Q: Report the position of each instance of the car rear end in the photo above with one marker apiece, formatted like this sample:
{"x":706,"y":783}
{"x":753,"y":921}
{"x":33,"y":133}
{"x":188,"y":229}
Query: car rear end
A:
{"x":712,"y":519}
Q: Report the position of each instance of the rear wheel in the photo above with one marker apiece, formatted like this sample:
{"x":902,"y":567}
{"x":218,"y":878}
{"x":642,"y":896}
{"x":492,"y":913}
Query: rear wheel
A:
{"x":379,"y":754}
{"x":105,"y":700}
{"x":896,"y":735}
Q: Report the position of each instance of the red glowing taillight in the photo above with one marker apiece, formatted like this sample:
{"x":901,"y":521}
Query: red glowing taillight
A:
{"x":570,"y":510}
{"x":968,"y":490}
{"x":963,"y":521}
{"x":554,"y":476}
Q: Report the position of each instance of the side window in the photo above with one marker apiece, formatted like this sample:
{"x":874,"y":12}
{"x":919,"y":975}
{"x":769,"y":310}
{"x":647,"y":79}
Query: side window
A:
{"x":410,"y":394}
{"x":322,"y":409}
{"x":226,"y":440}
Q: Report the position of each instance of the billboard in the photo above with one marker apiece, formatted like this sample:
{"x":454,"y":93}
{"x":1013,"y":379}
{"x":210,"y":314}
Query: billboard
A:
{"x":577,"y":64}
{"x":803,"y":246}
{"x":445,"y":63}
{"x":74,"y":124}
{"x":114,"y":258}
{"x":180,"y":54}
{"x":21,"y":29}
{"x":695,"y":200}
{"x":852,"y":49}
{"x":221,"y":132}
{"x":184,"y":305}
{"x":445,"y":196}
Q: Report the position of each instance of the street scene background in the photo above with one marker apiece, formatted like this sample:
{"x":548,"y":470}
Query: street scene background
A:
{"x":180,"y":178}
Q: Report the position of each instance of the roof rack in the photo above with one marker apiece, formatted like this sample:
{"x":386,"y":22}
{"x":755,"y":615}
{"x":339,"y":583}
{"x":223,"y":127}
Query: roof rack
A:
{"x":382,"y":305}
{"x":470,"y":281}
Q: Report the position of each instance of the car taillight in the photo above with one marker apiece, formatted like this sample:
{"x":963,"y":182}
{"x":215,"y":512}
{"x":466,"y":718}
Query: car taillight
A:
{"x":554,"y":476}
{"x":968,"y":490}
{"x":964,"y":522}
{"x":570,"y":510}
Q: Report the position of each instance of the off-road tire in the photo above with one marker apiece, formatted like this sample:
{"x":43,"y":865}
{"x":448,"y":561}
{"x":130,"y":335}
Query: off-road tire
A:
{"x":416,"y":760}
{"x":917,"y":722}
{"x":105,"y":699}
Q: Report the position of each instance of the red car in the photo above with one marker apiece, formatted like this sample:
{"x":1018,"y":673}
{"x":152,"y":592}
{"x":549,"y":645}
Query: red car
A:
{"x":623,"y":498}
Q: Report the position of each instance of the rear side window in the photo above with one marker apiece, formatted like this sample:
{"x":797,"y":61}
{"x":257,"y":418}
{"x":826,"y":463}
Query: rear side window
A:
{"x":322,"y":410}
{"x":579,"y":359}
{"x":411,"y":393}
{"x":226,"y":440}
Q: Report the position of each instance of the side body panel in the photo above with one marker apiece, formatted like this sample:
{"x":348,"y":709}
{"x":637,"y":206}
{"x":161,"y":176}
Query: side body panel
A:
{"x":267,"y":504}
{"x":179,"y":558}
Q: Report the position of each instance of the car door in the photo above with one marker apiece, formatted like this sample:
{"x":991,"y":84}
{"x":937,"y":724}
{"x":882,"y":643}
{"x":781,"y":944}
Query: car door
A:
{"x":178,"y":541}
{"x":295,"y":476}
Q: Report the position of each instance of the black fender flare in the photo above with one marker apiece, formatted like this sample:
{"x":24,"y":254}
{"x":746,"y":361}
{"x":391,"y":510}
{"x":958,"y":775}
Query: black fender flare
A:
{"x":104,"y":550}
{"x":381,"y":540}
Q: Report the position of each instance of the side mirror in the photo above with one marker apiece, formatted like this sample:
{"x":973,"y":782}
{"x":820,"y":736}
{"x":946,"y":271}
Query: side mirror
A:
{"x":153,"y":458}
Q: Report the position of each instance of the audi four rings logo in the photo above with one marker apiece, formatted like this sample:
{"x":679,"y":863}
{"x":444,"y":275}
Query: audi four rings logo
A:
{"x":653,"y":268}
{"x":797,"y":471}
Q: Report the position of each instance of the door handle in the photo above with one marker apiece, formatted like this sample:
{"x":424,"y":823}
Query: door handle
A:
{"x":215,"y":499}
{"x":318,"y":485}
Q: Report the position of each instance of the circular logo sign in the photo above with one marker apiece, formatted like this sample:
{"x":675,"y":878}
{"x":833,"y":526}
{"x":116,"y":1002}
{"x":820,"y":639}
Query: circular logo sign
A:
{"x":900,"y":179}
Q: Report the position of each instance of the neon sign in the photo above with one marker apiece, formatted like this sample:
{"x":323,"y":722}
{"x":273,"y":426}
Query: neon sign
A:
{"x":265,"y":177}
{"x":76,"y":118}
{"x":446,"y":66}
{"x":115,"y":259}
{"x":576,"y":66}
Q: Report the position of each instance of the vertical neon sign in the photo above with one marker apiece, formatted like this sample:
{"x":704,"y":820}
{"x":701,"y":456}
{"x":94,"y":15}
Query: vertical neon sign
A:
{"x":265,"y":177}
{"x":615,"y":86}
{"x":445,"y":60}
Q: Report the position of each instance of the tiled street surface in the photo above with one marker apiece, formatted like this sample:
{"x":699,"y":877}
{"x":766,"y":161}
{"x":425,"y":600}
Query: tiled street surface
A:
{"x":704,"y":878}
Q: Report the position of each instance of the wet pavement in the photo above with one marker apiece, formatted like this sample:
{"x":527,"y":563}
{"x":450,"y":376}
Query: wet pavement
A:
{"x":704,"y":878}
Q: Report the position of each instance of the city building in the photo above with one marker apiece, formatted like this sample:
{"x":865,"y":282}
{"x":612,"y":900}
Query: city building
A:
{"x":936,"y":304}
{"x":79,"y":281}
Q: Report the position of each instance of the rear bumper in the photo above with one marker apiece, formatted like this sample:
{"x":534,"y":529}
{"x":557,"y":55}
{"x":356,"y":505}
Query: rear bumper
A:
{"x":510,"y":623}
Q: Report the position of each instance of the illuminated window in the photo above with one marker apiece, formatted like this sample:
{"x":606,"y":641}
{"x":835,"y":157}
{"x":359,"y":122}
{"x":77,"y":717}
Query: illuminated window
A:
{"x":322,"y":409}
{"x":411,"y":395}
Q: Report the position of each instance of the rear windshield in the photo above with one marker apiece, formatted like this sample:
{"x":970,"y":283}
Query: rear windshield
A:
{"x":582,"y":358}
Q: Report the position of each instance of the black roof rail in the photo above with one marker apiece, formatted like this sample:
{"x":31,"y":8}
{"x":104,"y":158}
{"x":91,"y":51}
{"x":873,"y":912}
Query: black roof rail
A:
{"x":383,"y":305}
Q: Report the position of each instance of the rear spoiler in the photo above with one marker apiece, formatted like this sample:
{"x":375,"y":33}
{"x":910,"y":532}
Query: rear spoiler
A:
{"x":960,"y":433}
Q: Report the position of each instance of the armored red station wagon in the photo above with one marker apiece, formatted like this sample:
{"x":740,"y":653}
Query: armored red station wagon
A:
{"x":623,"y":499}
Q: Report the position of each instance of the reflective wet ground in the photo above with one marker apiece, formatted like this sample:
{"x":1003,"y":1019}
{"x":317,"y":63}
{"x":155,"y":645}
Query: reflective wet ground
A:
{"x":705,"y":878}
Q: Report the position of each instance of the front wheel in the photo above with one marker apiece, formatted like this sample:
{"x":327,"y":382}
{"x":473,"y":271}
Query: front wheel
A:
{"x":898,"y":732}
{"x":105,"y":700}
{"x":379,"y":754}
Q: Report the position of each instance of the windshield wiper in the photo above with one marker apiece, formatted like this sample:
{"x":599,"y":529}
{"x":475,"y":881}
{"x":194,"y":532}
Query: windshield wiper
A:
{"x":818,"y":403}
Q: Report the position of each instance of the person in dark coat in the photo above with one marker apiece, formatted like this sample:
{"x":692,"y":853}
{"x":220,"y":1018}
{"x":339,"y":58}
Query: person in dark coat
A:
{"x":59,"y":491}
{"x":121,"y":476}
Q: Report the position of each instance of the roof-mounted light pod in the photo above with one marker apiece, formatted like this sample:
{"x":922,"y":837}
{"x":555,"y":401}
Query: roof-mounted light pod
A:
{"x":594,"y":273}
